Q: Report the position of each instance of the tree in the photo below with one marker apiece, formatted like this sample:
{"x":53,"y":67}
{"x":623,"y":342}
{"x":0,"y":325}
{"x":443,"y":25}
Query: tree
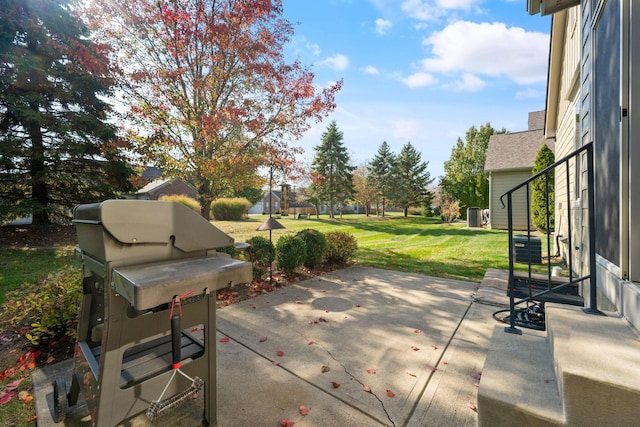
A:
{"x":365,"y":192}
{"x":414,"y":179}
{"x":383,"y":174}
{"x":539,"y":188}
{"x":57,"y":147}
{"x":211,"y":95}
{"x":334,"y":174}
{"x":252,"y":194}
{"x":465,"y":178}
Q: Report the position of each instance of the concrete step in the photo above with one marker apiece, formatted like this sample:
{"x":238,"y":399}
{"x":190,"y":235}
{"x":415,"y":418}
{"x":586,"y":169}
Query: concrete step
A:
{"x":583,"y":371}
{"x":518,"y":384}
{"x":597,"y":362}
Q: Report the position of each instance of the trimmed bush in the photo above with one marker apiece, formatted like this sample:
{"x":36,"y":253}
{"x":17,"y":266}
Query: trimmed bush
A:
{"x":50,"y":310}
{"x":183,"y":199}
{"x":230,"y":209}
{"x":316,"y":244}
{"x":290,"y":253}
{"x":341,"y":247}
{"x":260,"y":253}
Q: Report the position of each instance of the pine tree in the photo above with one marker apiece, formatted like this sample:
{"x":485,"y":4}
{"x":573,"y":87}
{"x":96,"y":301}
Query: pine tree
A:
{"x":57,"y":148}
{"x":414,"y":179}
{"x":544,"y":158}
{"x":384,"y":174}
{"x":334,"y":175}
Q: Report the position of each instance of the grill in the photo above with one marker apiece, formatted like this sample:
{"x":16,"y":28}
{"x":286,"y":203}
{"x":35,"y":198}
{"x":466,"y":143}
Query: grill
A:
{"x":139,"y":258}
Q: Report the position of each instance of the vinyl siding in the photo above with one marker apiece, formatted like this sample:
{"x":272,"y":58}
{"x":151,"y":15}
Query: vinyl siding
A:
{"x":502,"y":182}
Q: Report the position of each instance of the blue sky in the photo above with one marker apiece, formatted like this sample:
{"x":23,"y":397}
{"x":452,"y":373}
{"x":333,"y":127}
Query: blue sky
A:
{"x":422,"y":71}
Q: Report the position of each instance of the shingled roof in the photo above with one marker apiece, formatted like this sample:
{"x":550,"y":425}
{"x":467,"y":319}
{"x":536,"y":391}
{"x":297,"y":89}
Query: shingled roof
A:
{"x":517,"y":150}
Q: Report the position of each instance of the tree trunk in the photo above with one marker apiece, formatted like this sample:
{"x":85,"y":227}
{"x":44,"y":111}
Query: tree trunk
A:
{"x":406,"y":211}
{"x":37,"y":170}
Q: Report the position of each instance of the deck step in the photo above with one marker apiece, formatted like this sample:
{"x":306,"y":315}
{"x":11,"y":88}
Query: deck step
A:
{"x":583,"y":371}
{"x":518,"y":385}
{"x":597,"y":360}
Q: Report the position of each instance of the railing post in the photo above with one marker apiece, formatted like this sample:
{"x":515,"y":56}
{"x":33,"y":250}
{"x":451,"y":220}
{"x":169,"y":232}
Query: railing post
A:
{"x":512,"y":289}
{"x":593,"y":288}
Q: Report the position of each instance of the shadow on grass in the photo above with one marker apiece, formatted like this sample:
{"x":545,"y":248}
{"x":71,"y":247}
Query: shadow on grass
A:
{"x":453,"y":268}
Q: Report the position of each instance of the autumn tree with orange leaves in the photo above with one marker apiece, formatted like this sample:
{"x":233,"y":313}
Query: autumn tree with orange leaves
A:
{"x":211,"y":97}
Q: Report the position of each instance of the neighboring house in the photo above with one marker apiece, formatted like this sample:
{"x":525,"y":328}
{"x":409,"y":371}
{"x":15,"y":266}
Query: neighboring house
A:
{"x":510,"y":160}
{"x":275,"y":200}
{"x":592,"y":360}
{"x":165,"y":187}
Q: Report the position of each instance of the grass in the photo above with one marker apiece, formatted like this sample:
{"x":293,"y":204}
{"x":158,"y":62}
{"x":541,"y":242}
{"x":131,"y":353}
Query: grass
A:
{"x":413,"y":244}
{"x":20,"y":266}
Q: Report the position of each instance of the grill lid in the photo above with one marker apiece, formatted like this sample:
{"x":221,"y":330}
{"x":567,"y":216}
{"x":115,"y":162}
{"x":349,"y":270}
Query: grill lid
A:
{"x":153,"y":221}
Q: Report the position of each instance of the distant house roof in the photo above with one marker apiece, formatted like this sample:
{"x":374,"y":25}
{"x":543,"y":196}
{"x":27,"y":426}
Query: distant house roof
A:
{"x":536,"y":120}
{"x":513,"y":151}
{"x":151,"y":173}
{"x":159,"y":184}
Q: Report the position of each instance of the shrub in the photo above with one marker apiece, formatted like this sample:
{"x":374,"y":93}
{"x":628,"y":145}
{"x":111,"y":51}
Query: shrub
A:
{"x":544,"y":158}
{"x":316,"y":244}
{"x":290,"y":253}
{"x":260,"y":252}
{"x":415,"y":211}
{"x":183,"y":199}
{"x":50,"y":309}
{"x":230,"y":209}
{"x":449,"y":208}
{"x":341,"y":247}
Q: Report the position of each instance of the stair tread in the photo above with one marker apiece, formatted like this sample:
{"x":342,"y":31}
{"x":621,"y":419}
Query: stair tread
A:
{"x":518,"y":373}
{"x":604,"y":349}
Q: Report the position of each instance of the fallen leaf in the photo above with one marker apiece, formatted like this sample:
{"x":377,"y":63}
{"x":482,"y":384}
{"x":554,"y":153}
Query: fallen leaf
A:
{"x":371,"y":371}
{"x":224,"y":339}
{"x":14,"y":384}
{"x":263,"y":339}
{"x":433,"y":368}
{"x":276,"y":363}
{"x":357,"y":305}
{"x":390,"y":393}
{"x":476,"y":384}
{"x":414,"y":348}
{"x":367,"y":389}
{"x":32,"y":419}
{"x":471,"y":406}
{"x":410,"y":373}
{"x":5,"y":397}
{"x":335,"y":384}
{"x":298,"y":302}
{"x":417,"y":331}
{"x":304,"y":410}
{"x":445,"y":363}
{"x":310,"y":342}
{"x":433,"y":346}
{"x":50,"y":359}
{"x":322,"y":319}
{"x":476,"y":376}
{"x":280,"y":353}
{"x":325,"y":369}
{"x":286,"y":423}
{"x":25,"y":396}
{"x":197,"y":328}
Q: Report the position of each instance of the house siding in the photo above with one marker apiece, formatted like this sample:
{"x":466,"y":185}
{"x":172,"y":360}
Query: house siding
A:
{"x":501,"y":182}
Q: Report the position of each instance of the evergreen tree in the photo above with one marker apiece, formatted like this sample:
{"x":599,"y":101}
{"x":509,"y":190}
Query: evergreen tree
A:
{"x":465,"y":178}
{"x":384,"y":173}
{"x":334,"y":174}
{"x":414,"y":179}
{"x":57,"y":148}
{"x":544,"y":158}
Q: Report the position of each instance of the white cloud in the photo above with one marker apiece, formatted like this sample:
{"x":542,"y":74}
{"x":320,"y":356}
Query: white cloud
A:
{"x":314,"y":48}
{"x":529,"y":94}
{"x":382,"y":26}
{"x":337,"y":62}
{"x":405,"y":130}
{"x":419,"y":79}
{"x":431,"y":10}
{"x":490,"y":50}
{"x":470,"y":83}
{"x":370,"y":69}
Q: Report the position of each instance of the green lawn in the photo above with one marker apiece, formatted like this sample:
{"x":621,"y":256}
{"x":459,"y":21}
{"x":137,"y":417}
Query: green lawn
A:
{"x":21,"y":266}
{"x":414,"y":244}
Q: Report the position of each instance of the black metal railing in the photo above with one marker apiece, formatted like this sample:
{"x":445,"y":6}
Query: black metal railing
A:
{"x":590,"y":275}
